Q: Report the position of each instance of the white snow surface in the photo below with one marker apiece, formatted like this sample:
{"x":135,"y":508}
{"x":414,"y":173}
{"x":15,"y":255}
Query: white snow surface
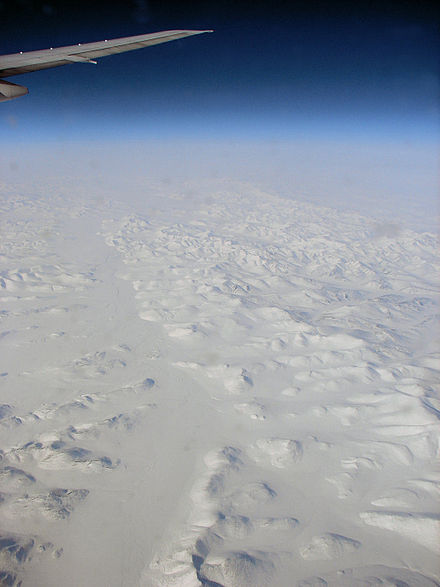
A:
{"x":221,"y":387}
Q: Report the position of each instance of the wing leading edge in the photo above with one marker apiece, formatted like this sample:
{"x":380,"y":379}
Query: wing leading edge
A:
{"x":82,"y":53}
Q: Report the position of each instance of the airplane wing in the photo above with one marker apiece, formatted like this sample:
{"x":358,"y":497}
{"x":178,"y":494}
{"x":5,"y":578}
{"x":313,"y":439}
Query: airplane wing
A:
{"x":82,"y":53}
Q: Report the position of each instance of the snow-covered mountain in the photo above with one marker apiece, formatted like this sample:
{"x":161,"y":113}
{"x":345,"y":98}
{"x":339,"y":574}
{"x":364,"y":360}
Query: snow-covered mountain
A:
{"x":222,"y":387}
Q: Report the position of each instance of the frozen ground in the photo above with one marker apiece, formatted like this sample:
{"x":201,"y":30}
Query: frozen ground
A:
{"x":222,"y":387}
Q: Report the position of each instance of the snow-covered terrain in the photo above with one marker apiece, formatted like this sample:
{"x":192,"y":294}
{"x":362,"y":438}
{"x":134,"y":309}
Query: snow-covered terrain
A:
{"x":221,"y":387}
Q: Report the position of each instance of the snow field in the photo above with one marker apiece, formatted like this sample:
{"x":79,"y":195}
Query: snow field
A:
{"x":248,"y":383}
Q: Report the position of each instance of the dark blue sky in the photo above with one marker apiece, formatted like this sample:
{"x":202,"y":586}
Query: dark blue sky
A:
{"x":271,"y":69}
